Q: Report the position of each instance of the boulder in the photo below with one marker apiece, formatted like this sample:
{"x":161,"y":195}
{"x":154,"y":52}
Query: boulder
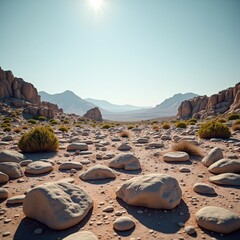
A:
{"x":231,"y":179}
{"x":12,"y":169}
{"x":217,"y":219}
{"x":70,"y":165}
{"x":98,"y":172}
{"x":125,"y":161}
{"x":59,"y":205}
{"x":3,"y":178}
{"x":159,"y":191}
{"x":176,"y":157}
{"x":94,"y":114}
{"x":77,"y":146}
{"x":124,"y":147}
{"x":82,"y":235}
{"x":225,"y":166}
{"x":11,"y":156}
{"x":213,"y":156}
{"x":203,"y":188}
{"x":38,"y":167}
{"x":123,"y":224}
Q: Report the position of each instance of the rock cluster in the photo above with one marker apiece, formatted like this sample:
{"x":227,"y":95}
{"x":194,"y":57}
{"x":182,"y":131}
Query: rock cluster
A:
{"x":94,"y":114}
{"x":203,"y":106}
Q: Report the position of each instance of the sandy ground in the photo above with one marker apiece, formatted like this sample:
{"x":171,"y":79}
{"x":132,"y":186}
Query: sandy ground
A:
{"x":150,"y":223}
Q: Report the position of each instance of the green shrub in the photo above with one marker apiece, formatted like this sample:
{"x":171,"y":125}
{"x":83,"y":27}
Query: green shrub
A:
{"x":221,"y":120}
{"x":130,"y":127}
{"x":63,"y":129}
{"x":181,"y":125}
{"x":7,"y":119}
{"x":42,"y":118}
{"x":53,"y":121}
{"x":7,"y":129}
{"x":237,"y":122}
{"x":32,"y":121}
{"x":166,"y":125}
{"x":233,"y":116}
{"x":3,"y":125}
{"x":106,"y":126}
{"x":36,"y":116}
{"x":39,"y":139}
{"x":214,"y":129}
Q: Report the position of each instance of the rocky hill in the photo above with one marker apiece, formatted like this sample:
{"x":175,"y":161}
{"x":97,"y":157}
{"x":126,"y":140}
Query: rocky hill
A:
{"x":200,"y":107}
{"x":18,"y":93}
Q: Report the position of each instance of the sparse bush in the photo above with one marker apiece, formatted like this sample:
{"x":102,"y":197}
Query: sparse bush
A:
{"x":17,"y":130}
{"x":106,"y":126}
{"x":166,"y":125}
{"x":3,"y":125}
{"x":32,"y":121}
{"x":25,"y":127}
{"x":7,"y":119}
{"x":155,"y":128}
{"x":214,"y":129}
{"x":66,"y":121}
{"x":181,"y":125}
{"x":188,"y":147}
{"x":53,"y":121}
{"x":236,"y":127}
{"x":233,"y":116}
{"x":39,"y":139}
{"x":221,"y":120}
{"x":42,"y":118}
{"x":124,"y":134}
{"x":192,"y":121}
{"x":7,"y":129}
{"x":130,"y":127}
{"x":78,"y":125}
{"x":237,"y":122}
{"x":63,"y":129}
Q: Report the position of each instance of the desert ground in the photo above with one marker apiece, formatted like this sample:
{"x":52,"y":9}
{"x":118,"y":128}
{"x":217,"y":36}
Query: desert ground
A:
{"x":102,"y":147}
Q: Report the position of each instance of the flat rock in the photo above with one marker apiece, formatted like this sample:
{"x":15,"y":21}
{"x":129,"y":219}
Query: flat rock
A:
{"x":155,"y":145}
{"x":184,"y":170}
{"x":12,"y":169}
{"x":70,"y":165}
{"x":11,"y":156}
{"x":125,"y":161}
{"x":123,"y":224}
{"x":217,"y":219}
{"x":124,"y":147}
{"x":77,"y":146}
{"x":3,"y":177}
{"x":176,"y":157}
{"x":213,"y":156}
{"x":190,"y":230}
{"x":82,"y":235}
{"x":38,"y":167}
{"x":225,"y":166}
{"x":16,"y":199}
{"x":98,"y":172}
{"x":24,"y":163}
{"x":3,"y":193}
{"x":59,"y":205}
{"x":203,"y":188}
{"x":231,"y":179}
{"x":160,"y":191}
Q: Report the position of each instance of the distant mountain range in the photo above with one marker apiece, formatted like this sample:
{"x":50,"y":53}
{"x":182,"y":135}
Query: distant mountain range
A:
{"x":71,"y":103}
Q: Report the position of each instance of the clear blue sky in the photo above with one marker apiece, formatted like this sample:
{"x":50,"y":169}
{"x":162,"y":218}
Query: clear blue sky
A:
{"x":131,"y":51}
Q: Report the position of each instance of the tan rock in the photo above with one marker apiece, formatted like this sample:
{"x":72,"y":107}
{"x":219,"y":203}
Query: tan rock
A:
{"x":231,"y":179}
{"x":176,"y":156}
{"x":12,"y":169}
{"x":38,"y":167}
{"x":225,"y":166}
{"x":123,"y":224}
{"x":94,"y":114}
{"x":213,"y":156}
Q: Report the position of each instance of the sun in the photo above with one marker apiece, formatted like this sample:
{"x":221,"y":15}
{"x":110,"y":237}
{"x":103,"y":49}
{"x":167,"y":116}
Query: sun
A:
{"x":96,"y":4}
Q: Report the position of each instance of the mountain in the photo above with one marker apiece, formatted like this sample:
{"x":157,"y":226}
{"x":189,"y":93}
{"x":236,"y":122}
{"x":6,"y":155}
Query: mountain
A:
{"x":68,"y":101}
{"x":113,"y":107}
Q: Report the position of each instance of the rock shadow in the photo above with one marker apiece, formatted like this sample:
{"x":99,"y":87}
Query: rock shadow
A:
{"x":100,"y":181}
{"x":125,"y":233}
{"x":39,"y":156}
{"x":133,"y":172}
{"x":165,"y":221}
{"x":36,"y":175}
{"x":27,"y":226}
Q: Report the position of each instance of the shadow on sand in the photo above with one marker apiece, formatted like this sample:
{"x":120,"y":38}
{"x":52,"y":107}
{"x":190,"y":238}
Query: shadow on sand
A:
{"x":40,"y":156}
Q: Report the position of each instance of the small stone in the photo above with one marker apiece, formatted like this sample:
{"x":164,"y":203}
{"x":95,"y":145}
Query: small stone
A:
{"x":190,"y":230}
{"x":38,"y":231}
{"x":123,"y":224}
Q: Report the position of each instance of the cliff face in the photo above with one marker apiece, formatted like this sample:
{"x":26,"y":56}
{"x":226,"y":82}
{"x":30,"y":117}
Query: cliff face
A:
{"x":203,"y":106}
{"x":18,"y":93}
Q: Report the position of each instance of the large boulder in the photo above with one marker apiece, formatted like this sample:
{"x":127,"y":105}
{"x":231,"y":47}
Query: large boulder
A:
{"x":213,"y":156}
{"x":98,"y":172}
{"x":59,"y":205}
{"x":38,"y":167}
{"x":94,"y":114}
{"x":12,"y":169}
{"x":225,"y":166}
{"x":157,"y":190}
{"x":125,"y":161}
{"x":11,"y":156}
{"x":231,"y":179}
{"x":217,"y":219}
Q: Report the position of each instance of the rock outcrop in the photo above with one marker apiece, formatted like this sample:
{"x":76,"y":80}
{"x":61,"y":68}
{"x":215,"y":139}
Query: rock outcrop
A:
{"x":94,"y":114}
{"x":20,"y":94}
{"x":203,"y":106}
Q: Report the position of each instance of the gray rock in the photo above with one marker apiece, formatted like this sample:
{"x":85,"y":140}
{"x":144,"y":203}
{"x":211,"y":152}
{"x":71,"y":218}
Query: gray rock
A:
{"x":11,"y":156}
{"x":12,"y":169}
{"x":3,"y":177}
{"x":225,"y":166}
{"x":124,"y":147}
{"x":70,"y":165}
{"x":38,"y":167}
{"x":203,"y":188}
{"x":176,"y":157}
{"x":231,"y":179}
{"x":123,"y":224}
{"x":77,"y":146}
{"x":3,"y":193}
{"x":213,"y":156}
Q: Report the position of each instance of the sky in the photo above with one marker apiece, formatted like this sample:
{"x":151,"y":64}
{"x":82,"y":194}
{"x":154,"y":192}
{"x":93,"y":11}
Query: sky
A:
{"x":136,"y":52}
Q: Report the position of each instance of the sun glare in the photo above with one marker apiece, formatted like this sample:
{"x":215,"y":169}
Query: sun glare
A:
{"x":96,"y":4}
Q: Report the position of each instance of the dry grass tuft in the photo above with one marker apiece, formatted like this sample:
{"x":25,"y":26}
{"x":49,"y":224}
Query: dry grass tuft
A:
{"x":188,"y":147}
{"x":124,"y":134}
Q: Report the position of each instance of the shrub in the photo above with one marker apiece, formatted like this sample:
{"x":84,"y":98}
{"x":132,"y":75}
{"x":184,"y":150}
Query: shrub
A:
{"x":106,"y":126}
{"x":25,"y":127}
{"x":214,"y":129}
{"x":63,"y":129}
{"x":124,"y":134}
{"x":236,"y":127}
{"x":7,"y":119}
{"x":156,"y":128}
{"x":188,"y":147}
{"x":42,"y":118}
{"x":39,"y":139}
{"x":233,"y":116}
{"x":53,"y":121}
{"x":237,"y":122}
{"x":181,"y":125}
{"x":3,"y":125}
{"x":78,"y":125}
{"x":17,"y":130}
{"x":166,"y":125}
{"x":7,"y":129}
{"x":130,"y":127}
{"x":32,"y":121}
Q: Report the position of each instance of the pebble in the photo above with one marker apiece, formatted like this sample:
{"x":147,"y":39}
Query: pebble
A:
{"x":5,"y":234}
{"x":38,"y":231}
{"x":190,"y":230}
